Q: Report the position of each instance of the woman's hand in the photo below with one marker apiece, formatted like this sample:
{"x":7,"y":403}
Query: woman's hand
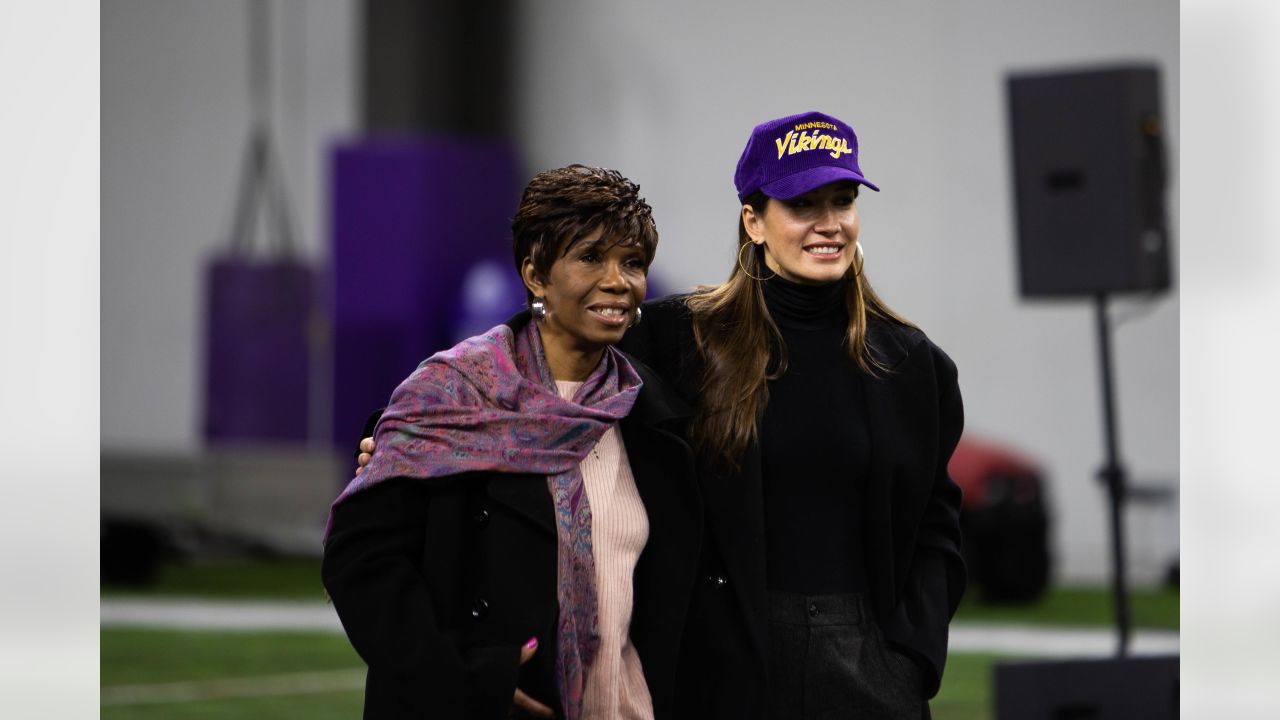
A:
{"x":522,"y":701}
{"x":366,"y":454}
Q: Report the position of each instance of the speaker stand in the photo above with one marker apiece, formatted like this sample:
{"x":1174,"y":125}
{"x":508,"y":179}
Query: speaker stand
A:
{"x":1113,"y":477}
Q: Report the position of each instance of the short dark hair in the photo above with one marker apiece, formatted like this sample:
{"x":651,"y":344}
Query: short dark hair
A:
{"x":561,"y":206}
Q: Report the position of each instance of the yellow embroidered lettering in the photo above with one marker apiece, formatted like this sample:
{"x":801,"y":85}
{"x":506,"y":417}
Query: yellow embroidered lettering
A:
{"x":797,"y":141}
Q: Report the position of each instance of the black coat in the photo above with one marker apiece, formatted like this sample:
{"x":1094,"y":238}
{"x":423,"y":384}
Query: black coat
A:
{"x":911,"y":518}
{"x":439,"y":583}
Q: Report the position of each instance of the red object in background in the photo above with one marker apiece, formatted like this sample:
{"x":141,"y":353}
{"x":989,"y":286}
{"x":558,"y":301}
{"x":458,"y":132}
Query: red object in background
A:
{"x":1004,"y":520}
{"x":975,"y":461}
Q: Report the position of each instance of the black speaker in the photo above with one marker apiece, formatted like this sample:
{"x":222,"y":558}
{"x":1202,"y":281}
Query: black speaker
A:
{"x":1108,"y":689}
{"x":1090,"y":182}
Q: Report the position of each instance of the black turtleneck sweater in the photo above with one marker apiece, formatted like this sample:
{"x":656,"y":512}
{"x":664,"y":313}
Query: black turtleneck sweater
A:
{"x":815,"y":446}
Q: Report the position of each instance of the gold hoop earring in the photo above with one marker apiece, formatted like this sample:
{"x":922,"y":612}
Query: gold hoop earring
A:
{"x":743,"y":268}
{"x":859,"y":258}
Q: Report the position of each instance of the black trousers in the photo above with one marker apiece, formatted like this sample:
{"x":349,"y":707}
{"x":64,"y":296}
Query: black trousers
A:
{"x":828,"y":661}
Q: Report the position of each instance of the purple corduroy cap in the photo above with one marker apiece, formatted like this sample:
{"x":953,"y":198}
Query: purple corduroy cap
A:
{"x":790,"y":156}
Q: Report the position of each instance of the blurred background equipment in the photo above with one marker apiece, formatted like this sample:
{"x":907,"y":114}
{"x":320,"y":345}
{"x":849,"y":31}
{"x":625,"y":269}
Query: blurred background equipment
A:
{"x":131,"y":551}
{"x":1089,"y":168}
{"x":1090,"y":182}
{"x":258,"y":311}
{"x":418,"y":206}
{"x":235,"y":501}
{"x":1004,"y":521}
{"x":421,"y":198}
{"x":1115,"y":689}
{"x":411,"y":217}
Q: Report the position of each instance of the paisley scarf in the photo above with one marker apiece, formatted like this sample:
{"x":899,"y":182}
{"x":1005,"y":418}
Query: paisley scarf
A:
{"x":490,"y":404}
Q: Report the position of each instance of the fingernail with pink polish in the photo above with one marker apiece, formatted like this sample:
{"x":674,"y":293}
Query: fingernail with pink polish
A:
{"x":531,"y":643}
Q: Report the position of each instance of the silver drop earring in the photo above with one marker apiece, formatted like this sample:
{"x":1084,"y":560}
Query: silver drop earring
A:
{"x":636,"y":320}
{"x":539,"y":309}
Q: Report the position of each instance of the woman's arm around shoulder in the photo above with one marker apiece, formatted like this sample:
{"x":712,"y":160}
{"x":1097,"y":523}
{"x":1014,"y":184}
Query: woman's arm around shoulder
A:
{"x":663,"y":340}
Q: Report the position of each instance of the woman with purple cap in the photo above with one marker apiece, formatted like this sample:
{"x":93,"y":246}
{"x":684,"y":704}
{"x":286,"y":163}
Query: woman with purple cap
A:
{"x":824,"y":422}
{"x":495,"y":557}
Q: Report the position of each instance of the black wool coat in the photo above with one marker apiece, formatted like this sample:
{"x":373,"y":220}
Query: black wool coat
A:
{"x":439,"y":583}
{"x":911,"y":519}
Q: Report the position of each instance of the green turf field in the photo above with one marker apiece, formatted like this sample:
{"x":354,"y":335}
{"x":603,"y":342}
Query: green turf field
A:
{"x":255,"y":675}
{"x":1153,"y":609}
{"x":133,"y":657}
{"x":149,"y":656}
{"x":331,"y":706}
{"x":211,"y":668}
{"x":966,"y":689}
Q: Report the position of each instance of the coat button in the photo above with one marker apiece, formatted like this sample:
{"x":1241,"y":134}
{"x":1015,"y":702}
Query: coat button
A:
{"x":480,"y":609}
{"x":480,"y":518}
{"x":717,"y":581}
{"x":813,"y":610}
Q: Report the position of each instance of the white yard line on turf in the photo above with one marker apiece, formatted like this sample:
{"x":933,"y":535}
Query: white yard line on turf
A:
{"x":1051,"y":642}
{"x":303,"y":683}
{"x":202,"y":614}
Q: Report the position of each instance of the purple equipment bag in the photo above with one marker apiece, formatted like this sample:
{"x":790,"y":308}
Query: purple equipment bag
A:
{"x":258,"y":322}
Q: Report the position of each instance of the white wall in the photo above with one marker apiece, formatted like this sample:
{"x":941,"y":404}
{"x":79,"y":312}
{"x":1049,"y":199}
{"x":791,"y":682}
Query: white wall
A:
{"x":668,"y":91}
{"x":175,"y":117}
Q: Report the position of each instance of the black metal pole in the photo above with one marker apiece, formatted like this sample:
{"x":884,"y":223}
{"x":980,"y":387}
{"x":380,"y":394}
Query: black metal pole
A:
{"x":1113,"y":475}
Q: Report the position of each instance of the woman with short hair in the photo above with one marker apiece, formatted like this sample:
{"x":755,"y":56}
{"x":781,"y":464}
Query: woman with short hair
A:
{"x":495,"y":556}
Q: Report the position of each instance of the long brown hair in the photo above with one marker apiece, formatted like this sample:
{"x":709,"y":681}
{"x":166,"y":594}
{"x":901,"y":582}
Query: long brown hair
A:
{"x":742,"y":348}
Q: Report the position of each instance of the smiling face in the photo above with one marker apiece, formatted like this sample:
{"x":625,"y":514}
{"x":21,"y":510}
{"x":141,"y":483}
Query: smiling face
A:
{"x":810,"y":238}
{"x":592,"y":292}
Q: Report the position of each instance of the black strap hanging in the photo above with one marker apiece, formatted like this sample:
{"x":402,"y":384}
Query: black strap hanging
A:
{"x":261,"y":178}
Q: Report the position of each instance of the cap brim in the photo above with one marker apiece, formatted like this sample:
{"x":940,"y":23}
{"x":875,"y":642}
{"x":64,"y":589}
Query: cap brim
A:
{"x":802,"y":182}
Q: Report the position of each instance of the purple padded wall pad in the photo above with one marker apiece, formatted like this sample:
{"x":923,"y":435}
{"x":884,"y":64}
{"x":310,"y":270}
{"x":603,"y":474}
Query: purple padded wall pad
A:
{"x":410,"y":216}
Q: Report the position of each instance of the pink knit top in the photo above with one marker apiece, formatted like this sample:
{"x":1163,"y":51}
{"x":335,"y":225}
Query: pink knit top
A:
{"x":615,"y":686}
